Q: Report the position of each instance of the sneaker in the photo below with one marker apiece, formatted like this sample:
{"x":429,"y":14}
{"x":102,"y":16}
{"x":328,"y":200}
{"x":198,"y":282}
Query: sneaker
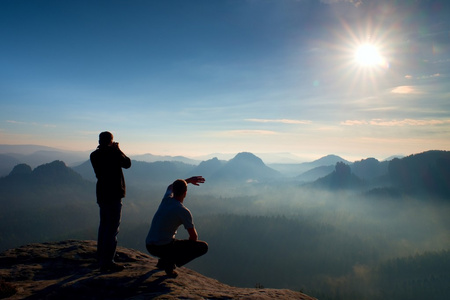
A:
{"x":171,"y":273}
{"x":112,"y":267}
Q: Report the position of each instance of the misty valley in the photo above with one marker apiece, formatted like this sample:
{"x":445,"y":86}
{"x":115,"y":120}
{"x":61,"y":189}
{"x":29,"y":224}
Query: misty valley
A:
{"x":331,"y":228}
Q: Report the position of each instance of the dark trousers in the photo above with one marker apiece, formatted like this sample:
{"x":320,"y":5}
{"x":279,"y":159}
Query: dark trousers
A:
{"x":178,"y":252}
{"x":110,"y":215}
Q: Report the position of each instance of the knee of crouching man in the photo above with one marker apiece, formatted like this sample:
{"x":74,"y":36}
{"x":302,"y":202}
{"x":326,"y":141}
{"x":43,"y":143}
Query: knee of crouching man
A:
{"x":204,"y":248}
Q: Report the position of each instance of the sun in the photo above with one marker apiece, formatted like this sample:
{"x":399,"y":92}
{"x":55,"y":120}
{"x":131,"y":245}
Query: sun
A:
{"x":360,"y":55}
{"x":368,"y":55}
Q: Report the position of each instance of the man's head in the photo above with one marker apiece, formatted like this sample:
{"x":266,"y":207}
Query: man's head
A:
{"x":105,"y":138}
{"x":179,"y":188}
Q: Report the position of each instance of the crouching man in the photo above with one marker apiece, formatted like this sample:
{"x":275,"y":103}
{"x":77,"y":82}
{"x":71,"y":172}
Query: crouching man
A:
{"x":161,"y":241}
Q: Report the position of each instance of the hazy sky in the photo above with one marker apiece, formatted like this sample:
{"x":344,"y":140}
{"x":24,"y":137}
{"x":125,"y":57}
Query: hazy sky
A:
{"x":203,"y":76}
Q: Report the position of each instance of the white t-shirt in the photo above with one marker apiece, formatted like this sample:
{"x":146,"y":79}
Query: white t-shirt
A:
{"x":170,"y":215}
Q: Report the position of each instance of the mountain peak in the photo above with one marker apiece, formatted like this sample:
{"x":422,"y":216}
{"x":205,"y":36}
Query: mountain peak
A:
{"x":21,"y":169}
{"x":68,"y":270}
{"x":247,"y":157}
{"x":245,"y":167}
{"x":56,"y":171}
{"x":330,"y":159}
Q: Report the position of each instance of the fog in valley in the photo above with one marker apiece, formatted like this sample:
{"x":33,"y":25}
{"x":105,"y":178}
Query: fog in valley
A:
{"x":295,"y":237}
{"x":373,"y":241}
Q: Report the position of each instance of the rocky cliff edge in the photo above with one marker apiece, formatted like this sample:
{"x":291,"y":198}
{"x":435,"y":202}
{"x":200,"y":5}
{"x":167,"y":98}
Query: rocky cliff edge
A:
{"x":68,"y":270}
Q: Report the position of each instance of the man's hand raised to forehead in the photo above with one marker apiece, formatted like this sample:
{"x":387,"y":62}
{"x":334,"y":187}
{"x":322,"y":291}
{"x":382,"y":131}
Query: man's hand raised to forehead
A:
{"x":195,"y":180}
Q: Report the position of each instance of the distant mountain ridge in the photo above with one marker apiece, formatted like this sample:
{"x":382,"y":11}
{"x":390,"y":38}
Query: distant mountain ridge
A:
{"x":51,"y":197}
{"x":426,"y":172}
{"x":52,"y":173}
{"x":35,"y":155}
{"x":54,"y":179}
{"x":154,"y":158}
{"x":209,"y":167}
{"x":370,"y":168}
{"x":24,"y":149}
{"x":246,"y":167}
{"x":341,"y":178}
{"x":298,"y":169}
{"x":7,"y":163}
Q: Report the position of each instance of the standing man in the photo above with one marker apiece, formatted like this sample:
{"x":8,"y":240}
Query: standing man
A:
{"x":170,"y":215}
{"x":108,"y":161}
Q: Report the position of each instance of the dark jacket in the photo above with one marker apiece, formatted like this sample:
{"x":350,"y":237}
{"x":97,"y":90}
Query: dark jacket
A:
{"x":108,"y":162}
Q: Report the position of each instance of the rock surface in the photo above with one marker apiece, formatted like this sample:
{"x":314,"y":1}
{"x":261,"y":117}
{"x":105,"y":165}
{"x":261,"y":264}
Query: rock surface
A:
{"x":68,"y":270}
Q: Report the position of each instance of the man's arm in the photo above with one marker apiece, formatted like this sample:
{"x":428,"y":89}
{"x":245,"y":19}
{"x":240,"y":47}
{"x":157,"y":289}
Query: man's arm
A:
{"x":125,"y":160}
{"x":168,"y":191}
{"x":193,"y":236}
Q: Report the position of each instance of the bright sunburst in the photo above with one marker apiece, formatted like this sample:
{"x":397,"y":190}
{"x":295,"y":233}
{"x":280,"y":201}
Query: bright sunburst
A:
{"x":362,"y":56}
{"x":367,"y":55}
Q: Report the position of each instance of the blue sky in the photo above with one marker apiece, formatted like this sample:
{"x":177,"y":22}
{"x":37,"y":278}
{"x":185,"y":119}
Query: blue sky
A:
{"x":225,"y":76}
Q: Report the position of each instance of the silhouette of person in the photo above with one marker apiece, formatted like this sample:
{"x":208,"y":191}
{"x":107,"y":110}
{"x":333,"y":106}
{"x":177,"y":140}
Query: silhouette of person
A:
{"x":108,"y":161}
{"x":161,"y":241}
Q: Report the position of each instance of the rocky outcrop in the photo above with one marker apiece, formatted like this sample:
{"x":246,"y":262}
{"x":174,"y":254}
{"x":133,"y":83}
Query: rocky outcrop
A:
{"x":68,"y":270}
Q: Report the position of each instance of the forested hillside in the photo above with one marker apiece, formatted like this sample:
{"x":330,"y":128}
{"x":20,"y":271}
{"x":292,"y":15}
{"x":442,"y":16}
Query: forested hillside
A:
{"x":427,"y":172}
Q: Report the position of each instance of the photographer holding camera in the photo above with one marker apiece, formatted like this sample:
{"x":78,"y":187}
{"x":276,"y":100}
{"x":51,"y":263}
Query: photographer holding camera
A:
{"x":108,"y":161}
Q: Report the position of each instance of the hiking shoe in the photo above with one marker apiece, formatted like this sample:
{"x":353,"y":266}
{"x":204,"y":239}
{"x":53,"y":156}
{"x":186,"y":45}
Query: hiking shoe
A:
{"x":171,"y":273}
{"x":112,"y":267}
